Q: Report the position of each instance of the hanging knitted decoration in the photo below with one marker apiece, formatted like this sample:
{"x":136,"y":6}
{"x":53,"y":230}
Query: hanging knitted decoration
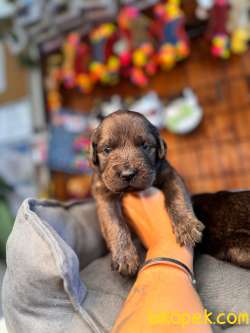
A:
{"x":170,"y":27}
{"x":105,"y":66}
{"x":217,"y":29}
{"x":69,"y":54}
{"x":76,"y":57}
{"x":135,"y":45}
{"x":82,"y":59}
{"x":53,"y":81}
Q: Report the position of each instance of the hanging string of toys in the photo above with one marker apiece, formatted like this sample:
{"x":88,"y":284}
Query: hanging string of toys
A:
{"x":134,"y":47}
{"x":137,"y":45}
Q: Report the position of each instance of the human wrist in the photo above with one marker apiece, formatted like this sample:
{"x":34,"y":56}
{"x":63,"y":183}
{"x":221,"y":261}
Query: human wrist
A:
{"x":163,"y":249}
{"x":168,"y":261}
{"x":164,"y":271}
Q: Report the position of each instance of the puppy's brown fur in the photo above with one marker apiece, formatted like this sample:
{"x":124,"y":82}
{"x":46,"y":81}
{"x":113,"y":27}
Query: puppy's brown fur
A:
{"x":128,"y":154}
{"x":226,"y":216}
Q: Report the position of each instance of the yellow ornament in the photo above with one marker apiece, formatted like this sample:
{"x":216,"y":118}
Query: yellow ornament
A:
{"x":239,"y":41}
{"x":113,"y":64}
{"x":139,"y":58}
{"x":173,"y":10}
{"x":105,"y":30}
{"x":167,"y":56}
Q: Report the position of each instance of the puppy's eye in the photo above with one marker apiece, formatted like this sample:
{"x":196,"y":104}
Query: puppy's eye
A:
{"x":145,"y":146}
{"x":107,"y":150}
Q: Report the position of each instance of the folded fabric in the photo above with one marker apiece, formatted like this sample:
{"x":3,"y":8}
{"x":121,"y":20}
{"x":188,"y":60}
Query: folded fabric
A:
{"x":58,"y":279}
{"x":42,"y":289}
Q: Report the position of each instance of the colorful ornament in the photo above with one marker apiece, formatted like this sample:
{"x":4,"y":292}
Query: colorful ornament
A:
{"x":105,"y":67}
{"x":220,"y":46}
{"x":167,"y":56}
{"x":69,"y":54}
{"x":138,"y":77}
{"x":135,"y":45}
{"x":123,"y":46}
{"x":171,"y":33}
{"x":239,"y":41}
{"x":84,"y":83}
{"x":143,"y":64}
{"x":82,"y":58}
{"x":83,"y":79}
{"x":217,"y":29}
{"x":53,"y":81}
{"x":104,"y":31}
{"x":75,"y":66}
{"x":239,"y":25}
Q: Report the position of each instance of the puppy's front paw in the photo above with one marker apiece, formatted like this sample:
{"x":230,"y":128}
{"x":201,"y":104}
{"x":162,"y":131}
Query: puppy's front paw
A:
{"x":127,"y":261}
{"x":189,"y":232}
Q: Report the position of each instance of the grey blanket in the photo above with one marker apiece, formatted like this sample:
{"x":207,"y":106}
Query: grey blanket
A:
{"x":58,"y":276}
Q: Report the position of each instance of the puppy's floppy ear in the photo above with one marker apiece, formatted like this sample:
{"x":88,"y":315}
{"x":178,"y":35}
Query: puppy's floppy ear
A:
{"x":161,"y":144}
{"x":162,"y":148}
{"x":93,"y":148}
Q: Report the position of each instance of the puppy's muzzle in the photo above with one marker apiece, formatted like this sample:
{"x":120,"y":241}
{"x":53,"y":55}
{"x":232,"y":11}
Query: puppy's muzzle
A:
{"x":128,"y":175}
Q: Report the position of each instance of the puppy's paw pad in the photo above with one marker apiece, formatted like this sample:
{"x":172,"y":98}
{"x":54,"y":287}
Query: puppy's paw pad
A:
{"x":189,"y":233}
{"x":126,"y":263}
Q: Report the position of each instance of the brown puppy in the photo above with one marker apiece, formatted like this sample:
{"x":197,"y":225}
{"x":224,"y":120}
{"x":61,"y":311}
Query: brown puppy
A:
{"x":226,"y":216}
{"x":128,"y":155}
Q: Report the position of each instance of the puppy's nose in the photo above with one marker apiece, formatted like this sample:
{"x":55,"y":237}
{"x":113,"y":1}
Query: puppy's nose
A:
{"x":128,"y":174}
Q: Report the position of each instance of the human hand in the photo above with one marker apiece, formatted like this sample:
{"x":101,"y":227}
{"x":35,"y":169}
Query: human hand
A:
{"x":150,"y":220}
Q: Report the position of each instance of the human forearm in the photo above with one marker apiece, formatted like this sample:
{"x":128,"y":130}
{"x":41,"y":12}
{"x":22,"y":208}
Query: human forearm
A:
{"x":161,"y":300}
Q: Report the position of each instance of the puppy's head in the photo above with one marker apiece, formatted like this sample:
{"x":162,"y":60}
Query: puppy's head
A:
{"x":125,"y":150}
